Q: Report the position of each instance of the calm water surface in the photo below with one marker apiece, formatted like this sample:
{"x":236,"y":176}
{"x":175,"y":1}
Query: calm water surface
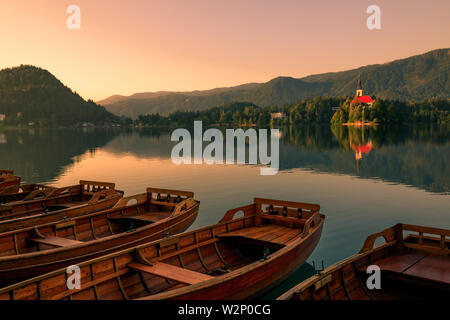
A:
{"x":364,"y":180}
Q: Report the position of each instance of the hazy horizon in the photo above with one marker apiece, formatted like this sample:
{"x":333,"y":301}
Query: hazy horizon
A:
{"x":149,"y":46}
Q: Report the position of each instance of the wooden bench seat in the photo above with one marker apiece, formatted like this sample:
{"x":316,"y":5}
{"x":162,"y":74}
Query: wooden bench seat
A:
{"x":171,"y":272}
{"x":432,"y":267}
{"x":400,"y":262}
{"x":56,"y":241}
{"x":419,"y":265}
{"x":147,"y":217}
{"x":272,"y":236}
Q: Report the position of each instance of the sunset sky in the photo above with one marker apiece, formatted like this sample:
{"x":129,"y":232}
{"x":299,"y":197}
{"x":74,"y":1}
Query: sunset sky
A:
{"x":132,"y":46}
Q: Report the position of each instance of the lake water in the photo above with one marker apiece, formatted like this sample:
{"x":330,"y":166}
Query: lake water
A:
{"x":364,"y":180}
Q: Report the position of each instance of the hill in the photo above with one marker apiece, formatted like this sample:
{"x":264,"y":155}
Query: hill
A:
{"x":31,"y":94}
{"x":415,"y":78}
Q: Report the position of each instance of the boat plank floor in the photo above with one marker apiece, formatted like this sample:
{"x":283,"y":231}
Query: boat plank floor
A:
{"x":171,"y":272}
{"x":56,"y":241}
{"x":432,"y":267}
{"x":288,"y":236}
{"x":400,"y":262}
{"x":269,"y":234}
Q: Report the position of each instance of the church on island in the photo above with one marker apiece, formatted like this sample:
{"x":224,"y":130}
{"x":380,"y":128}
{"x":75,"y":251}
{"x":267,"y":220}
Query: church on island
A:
{"x":359,"y":97}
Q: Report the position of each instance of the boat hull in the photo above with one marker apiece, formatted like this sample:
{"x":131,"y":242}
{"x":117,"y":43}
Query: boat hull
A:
{"x":412,"y":267}
{"x":18,"y":268}
{"x":257,"y":281}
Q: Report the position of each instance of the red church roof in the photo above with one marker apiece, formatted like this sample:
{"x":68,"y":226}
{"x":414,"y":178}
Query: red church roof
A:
{"x":363,"y":99}
{"x":363,"y":148}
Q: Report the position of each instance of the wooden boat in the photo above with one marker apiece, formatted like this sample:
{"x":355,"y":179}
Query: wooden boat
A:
{"x":240,"y":257}
{"x":414,"y":266}
{"x":8,"y":180}
{"x":45,"y":206}
{"x":134,"y":220}
{"x":20,"y":192}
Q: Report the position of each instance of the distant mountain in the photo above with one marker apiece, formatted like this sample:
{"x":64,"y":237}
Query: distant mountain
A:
{"x":31,"y":94}
{"x":416,"y":78}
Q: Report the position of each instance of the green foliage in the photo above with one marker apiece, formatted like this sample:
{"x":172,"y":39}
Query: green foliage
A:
{"x":30,"y":94}
{"x":385,"y":111}
{"x":317,"y":110}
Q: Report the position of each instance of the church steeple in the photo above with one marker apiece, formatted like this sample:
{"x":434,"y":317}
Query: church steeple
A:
{"x":359,"y":98}
{"x":359,"y":91}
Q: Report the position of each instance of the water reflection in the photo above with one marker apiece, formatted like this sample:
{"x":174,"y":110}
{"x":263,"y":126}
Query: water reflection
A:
{"x":40,"y":155}
{"x":411,"y":155}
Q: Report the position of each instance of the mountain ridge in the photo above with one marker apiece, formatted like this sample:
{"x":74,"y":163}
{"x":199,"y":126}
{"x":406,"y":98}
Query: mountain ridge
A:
{"x":418,"y":77}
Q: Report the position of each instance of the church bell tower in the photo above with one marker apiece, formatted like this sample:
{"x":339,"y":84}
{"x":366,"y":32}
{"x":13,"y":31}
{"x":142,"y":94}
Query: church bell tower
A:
{"x":359,"y":91}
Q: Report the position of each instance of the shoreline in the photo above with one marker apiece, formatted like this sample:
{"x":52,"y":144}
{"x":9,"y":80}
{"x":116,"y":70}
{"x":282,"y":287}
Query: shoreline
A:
{"x":360,"y":123}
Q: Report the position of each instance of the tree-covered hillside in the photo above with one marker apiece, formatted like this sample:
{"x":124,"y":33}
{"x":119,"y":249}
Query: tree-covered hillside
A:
{"x":306,"y":112}
{"x":416,"y":78}
{"x":31,"y":94}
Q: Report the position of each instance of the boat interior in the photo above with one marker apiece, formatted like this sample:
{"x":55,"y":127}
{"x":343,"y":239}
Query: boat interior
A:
{"x":128,"y":215}
{"x":413,"y":266}
{"x":245,"y":235}
{"x":44,"y":200}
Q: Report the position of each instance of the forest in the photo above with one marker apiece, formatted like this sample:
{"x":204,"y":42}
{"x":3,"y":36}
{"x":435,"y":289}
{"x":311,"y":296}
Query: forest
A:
{"x":313,"y":110}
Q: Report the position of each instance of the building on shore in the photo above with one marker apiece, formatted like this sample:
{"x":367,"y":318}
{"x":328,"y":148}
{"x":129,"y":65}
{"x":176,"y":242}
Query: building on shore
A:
{"x":360,"y":98}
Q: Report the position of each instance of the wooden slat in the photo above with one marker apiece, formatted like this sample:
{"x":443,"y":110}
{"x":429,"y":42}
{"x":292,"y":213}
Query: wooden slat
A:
{"x":250,"y":240}
{"x":251,"y":231}
{"x":432,"y":249}
{"x":430,"y":230}
{"x":171,"y":272}
{"x":308,"y":206}
{"x":400,"y":262}
{"x":171,"y":192}
{"x":264,"y":233}
{"x":185,"y":249}
{"x":56,"y":241}
{"x":432,"y":267}
{"x":148,"y":217}
{"x":287,"y":236}
{"x":64,"y":225}
{"x":163,"y":203}
{"x":87,"y":285}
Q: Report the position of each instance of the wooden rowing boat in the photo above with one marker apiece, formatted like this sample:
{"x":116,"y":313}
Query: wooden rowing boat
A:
{"x":8,"y":180}
{"x":20,"y":192}
{"x":132,"y":221}
{"x":414,"y":266}
{"x":240,"y":257}
{"x":45,"y":206}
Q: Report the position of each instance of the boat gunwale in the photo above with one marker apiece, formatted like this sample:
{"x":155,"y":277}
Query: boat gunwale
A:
{"x":114,"y":194}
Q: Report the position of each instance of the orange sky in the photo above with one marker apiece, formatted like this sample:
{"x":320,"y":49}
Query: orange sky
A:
{"x":132,"y":46}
